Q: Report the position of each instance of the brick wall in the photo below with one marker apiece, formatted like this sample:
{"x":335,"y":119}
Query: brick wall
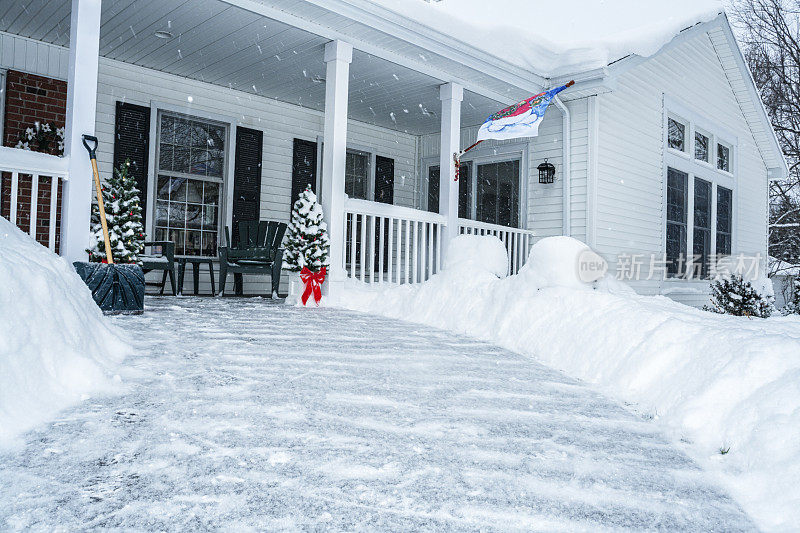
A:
{"x":31,"y":98}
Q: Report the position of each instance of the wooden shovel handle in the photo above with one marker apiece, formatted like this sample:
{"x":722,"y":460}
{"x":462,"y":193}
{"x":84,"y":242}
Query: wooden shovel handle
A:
{"x":99,"y":190}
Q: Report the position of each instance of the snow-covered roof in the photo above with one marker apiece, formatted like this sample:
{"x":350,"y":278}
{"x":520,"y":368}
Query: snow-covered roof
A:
{"x":562,"y":37}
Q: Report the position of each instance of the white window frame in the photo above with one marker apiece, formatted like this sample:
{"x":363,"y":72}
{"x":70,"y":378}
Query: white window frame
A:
{"x":225,"y":216}
{"x":483,"y":156}
{"x":2,"y":103}
{"x":688,"y":136}
{"x":695,"y":168}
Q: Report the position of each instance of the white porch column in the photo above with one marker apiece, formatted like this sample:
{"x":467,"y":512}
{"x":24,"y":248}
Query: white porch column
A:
{"x":451,"y":95}
{"x":84,"y":50}
{"x":338,"y":55}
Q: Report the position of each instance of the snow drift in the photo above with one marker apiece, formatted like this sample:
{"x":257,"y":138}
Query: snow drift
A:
{"x":728,"y":386}
{"x":55,"y":345}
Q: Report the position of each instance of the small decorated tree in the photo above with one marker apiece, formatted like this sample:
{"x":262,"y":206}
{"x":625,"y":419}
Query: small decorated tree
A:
{"x":124,"y":218}
{"x":735,"y":296}
{"x":307,"y":239}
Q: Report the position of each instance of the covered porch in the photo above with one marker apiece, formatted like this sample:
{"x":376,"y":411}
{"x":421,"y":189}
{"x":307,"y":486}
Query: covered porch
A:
{"x":279,"y":103}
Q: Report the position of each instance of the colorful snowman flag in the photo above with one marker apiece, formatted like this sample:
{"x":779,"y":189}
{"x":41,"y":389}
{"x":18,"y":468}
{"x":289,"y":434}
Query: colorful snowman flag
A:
{"x":519,"y":120}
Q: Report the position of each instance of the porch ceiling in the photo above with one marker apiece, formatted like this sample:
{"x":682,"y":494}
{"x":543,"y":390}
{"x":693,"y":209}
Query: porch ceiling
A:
{"x":232,"y":47}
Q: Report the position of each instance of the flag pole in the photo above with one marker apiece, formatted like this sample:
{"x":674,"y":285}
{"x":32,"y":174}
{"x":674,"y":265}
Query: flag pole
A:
{"x":458,"y":155}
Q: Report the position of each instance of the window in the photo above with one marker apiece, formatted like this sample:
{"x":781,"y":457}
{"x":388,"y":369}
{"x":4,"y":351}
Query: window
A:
{"x":677,"y":194}
{"x":723,"y":157}
{"x":191,"y":162}
{"x":498,"y":193}
{"x":464,"y":188}
{"x":700,"y":146}
{"x":724,"y":220}
{"x":356,"y":173}
{"x":676,"y":135}
{"x":701,"y":247}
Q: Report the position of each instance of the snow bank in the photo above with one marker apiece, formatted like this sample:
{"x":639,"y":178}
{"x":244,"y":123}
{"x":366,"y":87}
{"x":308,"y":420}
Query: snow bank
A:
{"x":55,"y":345}
{"x":723,"y":384}
{"x":555,"y":38}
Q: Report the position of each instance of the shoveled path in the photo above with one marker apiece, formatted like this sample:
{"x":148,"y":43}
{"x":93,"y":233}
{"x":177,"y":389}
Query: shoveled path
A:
{"x":248,"y":415}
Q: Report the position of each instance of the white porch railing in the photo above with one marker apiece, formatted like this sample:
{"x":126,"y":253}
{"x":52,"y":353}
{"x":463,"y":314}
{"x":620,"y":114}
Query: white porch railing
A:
{"x":518,"y":242}
{"x":390,"y":243}
{"x":42,"y":170}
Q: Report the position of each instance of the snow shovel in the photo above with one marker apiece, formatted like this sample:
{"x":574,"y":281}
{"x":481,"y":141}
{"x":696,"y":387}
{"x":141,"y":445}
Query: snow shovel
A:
{"x":116,"y":288}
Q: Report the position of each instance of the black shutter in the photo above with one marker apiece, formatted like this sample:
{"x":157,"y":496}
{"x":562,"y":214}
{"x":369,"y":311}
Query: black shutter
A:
{"x":247,"y":174}
{"x":464,"y":185}
{"x":433,"y":189}
{"x":384,"y":180}
{"x":304,"y":168}
{"x":132,"y":142}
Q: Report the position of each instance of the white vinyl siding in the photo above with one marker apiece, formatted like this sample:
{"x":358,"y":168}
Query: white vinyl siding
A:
{"x":633,"y":126}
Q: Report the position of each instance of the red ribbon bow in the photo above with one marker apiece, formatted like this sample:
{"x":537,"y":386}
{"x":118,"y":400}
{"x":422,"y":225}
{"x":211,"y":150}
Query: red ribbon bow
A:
{"x":313,"y":282}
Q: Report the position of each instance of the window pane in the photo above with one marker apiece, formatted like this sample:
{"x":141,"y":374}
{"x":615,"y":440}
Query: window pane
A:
{"x":433,"y":189}
{"x":702,"y":204}
{"x":162,"y":190}
{"x":209,"y":217}
{"x":183,"y":132}
{"x":676,"y":135}
{"x":677,"y":183}
{"x":165,"y":157}
{"x":177,"y":189}
{"x":176,"y":236}
{"x":209,"y":243}
{"x":194,"y":216}
{"x":498,"y":193}
{"x":700,"y":147}
{"x":724,"y":220}
{"x":192,"y":243}
{"x":181,"y":160}
{"x":676,"y":195}
{"x":701,"y":248}
{"x":199,"y":135}
{"x":162,"y":213}
{"x":167,"y":129}
{"x":355,"y":175}
{"x":211,"y":193}
{"x":215,"y":163}
{"x":723,"y":158}
{"x":199,"y":161}
{"x":194,"y":191}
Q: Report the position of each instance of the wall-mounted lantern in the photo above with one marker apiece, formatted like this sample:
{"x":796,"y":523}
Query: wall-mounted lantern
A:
{"x":547,"y":172}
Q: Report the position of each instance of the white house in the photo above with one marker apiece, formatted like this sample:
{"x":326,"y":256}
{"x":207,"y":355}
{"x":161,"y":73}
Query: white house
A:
{"x":228,"y":107}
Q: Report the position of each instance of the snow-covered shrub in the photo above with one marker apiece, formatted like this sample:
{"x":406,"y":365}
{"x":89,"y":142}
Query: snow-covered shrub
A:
{"x":307,"y":238}
{"x":55,"y":345}
{"x":735,"y":296}
{"x":793,"y":306}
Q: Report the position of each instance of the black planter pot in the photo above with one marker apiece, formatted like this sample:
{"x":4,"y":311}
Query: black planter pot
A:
{"x":117,"y":289}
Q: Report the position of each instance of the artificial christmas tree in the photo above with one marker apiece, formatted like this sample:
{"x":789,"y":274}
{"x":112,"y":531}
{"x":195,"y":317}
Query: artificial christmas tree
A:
{"x":306,"y":241}
{"x":124,"y":218}
{"x":735,"y":296}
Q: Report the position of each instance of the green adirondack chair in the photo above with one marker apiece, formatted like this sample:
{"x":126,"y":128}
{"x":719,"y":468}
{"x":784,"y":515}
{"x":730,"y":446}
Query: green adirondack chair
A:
{"x":257,"y":251}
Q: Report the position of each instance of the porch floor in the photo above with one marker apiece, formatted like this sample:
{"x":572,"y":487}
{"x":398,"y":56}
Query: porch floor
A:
{"x":243,"y":413}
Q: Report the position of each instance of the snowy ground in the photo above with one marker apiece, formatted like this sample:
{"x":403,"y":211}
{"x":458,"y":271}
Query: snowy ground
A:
{"x":245,"y":413}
